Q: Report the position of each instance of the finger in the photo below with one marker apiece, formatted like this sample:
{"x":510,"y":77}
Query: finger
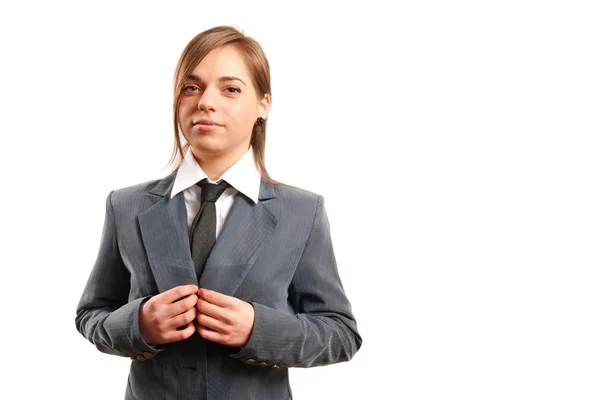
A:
{"x":211,"y":335}
{"x":183,"y":305}
{"x":210,"y":309}
{"x":172,"y":295}
{"x":183,"y":319}
{"x":178,"y":335}
{"x":209,"y":322}
{"x":216,"y":298}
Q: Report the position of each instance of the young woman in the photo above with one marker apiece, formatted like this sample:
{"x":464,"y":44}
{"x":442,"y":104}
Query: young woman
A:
{"x":216,"y":279}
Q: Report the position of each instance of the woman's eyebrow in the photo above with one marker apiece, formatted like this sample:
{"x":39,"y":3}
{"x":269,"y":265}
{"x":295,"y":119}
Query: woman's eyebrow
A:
{"x":196,"y":78}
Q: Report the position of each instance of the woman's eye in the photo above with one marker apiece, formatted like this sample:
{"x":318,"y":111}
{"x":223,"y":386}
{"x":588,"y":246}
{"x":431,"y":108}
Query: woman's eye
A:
{"x":232,"y":89}
{"x":190,"y":88}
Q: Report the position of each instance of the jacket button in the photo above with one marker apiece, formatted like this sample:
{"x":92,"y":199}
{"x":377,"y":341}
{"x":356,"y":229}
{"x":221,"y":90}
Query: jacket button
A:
{"x":275,"y":366}
{"x":250,"y":361}
{"x":140,"y":358}
{"x":263,"y":364}
{"x":148,"y":355}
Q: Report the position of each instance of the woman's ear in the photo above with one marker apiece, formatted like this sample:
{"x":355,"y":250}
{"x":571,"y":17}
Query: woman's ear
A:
{"x":264,"y":106}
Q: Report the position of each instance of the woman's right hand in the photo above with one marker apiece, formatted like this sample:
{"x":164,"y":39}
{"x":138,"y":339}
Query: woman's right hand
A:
{"x":162,"y":314}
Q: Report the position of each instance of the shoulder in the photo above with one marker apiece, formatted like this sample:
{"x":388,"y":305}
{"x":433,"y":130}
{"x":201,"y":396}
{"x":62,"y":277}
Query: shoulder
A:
{"x":140,"y":192}
{"x":296,"y":194}
{"x":297,"y":201}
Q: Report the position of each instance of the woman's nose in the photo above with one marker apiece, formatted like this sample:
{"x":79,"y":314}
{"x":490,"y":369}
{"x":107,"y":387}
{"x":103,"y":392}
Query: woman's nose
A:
{"x":206,"y":101}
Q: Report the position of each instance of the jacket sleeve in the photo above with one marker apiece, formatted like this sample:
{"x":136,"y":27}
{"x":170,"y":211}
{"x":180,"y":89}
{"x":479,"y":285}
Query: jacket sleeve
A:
{"x":323,"y":331}
{"x":104,"y":315}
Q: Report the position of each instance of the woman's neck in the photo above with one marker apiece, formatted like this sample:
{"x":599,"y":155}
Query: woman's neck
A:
{"x":214,"y":166}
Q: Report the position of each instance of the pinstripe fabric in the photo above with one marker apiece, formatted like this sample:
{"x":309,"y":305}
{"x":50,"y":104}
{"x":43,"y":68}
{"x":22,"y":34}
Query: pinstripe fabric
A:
{"x":276,"y":254}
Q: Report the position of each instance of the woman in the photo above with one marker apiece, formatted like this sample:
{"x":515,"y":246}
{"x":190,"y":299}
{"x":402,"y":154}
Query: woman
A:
{"x":203,"y":318}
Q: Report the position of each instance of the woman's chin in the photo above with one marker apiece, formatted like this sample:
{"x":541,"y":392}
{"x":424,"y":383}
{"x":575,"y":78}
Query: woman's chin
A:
{"x":204,"y":146}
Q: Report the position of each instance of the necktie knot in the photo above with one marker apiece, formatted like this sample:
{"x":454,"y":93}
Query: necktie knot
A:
{"x":210,"y":191}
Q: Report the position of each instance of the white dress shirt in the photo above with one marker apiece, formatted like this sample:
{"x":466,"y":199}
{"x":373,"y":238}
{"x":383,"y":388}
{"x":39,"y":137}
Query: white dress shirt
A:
{"x":243,"y":176}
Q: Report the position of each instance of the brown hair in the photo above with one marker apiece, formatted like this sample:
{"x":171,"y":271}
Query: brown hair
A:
{"x":258,"y":67}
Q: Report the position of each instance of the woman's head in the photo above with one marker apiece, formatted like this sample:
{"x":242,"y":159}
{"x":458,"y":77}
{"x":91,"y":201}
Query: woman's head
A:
{"x":223,"y":77}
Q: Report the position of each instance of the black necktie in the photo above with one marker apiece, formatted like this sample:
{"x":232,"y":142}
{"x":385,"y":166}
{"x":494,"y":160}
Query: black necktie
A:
{"x":204,"y":228}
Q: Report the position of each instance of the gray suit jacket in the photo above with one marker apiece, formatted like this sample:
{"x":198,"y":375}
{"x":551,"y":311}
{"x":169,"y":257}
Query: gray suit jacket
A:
{"x":276,"y":254}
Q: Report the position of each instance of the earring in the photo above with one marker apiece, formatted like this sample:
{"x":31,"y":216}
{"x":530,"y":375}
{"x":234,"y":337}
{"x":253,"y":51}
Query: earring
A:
{"x":260,"y":121}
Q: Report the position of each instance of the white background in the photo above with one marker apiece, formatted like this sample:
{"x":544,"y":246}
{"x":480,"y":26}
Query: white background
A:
{"x":456,"y":145}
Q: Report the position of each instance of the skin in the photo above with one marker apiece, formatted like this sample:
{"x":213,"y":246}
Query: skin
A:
{"x":162,"y":314}
{"x":234,"y":105}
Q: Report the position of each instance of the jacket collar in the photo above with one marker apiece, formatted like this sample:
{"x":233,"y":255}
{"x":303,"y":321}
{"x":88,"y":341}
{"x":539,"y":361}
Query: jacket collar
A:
{"x":164,"y":187}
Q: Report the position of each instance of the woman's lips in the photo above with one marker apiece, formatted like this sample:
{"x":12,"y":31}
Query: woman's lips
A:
{"x":206,"y":127}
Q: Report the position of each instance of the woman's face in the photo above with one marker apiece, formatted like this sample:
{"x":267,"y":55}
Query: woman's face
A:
{"x":219,"y":106}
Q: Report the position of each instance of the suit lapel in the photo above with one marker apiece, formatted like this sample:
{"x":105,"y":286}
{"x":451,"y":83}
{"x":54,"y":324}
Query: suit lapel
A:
{"x":164,"y":232}
{"x":246,"y":228}
{"x":163,"y":227}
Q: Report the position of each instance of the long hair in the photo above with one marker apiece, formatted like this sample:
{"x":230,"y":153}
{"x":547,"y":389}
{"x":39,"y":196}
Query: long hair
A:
{"x":258,"y":67}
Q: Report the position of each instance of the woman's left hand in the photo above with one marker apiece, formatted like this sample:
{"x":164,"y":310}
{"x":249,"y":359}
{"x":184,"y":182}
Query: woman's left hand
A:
{"x":224,"y":319}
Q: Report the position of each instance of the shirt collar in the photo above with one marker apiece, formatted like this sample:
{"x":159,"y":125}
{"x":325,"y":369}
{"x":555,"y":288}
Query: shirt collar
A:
{"x":243,"y":175}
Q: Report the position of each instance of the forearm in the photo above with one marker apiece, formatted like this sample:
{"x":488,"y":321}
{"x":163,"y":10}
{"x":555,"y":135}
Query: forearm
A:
{"x":113,"y":331}
{"x":104,"y":316}
{"x":301,"y":340}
